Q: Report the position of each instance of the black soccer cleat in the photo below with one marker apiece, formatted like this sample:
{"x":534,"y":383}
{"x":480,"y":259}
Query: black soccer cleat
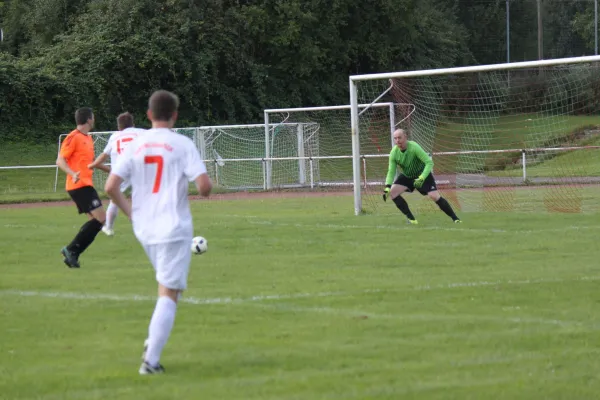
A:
{"x":71,"y":259}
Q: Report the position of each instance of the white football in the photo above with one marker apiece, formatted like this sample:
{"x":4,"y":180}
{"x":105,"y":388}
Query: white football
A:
{"x":199,"y":245}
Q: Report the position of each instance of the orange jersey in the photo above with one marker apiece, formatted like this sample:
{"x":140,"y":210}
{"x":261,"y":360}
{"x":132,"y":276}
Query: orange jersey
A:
{"x":78,"y":150}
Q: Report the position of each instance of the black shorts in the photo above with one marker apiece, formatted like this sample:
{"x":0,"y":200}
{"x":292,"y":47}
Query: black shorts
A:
{"x":86,"y":198}
{"x":428,"y":185}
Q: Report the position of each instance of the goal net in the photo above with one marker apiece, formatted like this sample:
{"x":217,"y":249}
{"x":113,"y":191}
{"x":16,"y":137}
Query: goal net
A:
{"x":245,"y":157}
{"x":239,"y":157}
{"x":328,"y":166}
{"x":505,"y":137}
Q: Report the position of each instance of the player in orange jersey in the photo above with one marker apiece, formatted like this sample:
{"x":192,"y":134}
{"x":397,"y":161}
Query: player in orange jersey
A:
{"x":76,"y":153}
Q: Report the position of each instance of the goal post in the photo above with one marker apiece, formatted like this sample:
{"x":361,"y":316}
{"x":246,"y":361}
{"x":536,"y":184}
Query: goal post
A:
{"x":492,"y":129}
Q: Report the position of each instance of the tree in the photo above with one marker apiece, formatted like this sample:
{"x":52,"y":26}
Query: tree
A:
{"x":227,"y":59}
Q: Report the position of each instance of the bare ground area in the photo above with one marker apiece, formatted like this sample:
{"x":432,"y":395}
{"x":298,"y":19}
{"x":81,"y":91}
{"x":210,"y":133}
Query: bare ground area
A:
{"x":215,"y":197}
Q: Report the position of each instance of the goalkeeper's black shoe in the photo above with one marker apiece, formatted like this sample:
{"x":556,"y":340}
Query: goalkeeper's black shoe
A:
{"x":71,"y":259}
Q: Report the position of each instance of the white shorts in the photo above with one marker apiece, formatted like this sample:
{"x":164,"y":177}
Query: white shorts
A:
{"x":171,"y":261}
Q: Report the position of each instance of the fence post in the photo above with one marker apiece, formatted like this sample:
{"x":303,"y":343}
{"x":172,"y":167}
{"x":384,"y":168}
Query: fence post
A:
{"x":524,"y":162}
{"x":364,"y":159}
{"x":312,"y":175}
{"x":217,"y":172}
{"x":264,"y":174}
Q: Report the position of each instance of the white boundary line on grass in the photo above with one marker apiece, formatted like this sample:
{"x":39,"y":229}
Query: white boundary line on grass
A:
{"x":258,"y":301}
{"x":508,"y":282}
{"x":259,"y":298}
{"x":256,"y":220}
{"x":184,"y":299}
{"x":399,"y":227}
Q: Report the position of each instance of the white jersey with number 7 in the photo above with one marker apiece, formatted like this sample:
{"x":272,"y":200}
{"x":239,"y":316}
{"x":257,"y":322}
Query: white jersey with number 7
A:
{"x":160,"y":164}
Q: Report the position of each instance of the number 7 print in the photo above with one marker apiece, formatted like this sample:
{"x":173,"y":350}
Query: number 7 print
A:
{"x":158,"y":160}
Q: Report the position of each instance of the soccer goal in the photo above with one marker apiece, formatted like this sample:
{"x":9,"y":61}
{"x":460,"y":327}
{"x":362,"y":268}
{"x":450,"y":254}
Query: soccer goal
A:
{"x":238,"y":156}
{"x":323,"y":154}
{"x":504,"y":137}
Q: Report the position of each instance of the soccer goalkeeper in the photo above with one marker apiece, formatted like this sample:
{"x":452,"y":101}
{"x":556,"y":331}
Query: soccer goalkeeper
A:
{"x":416,"y":174}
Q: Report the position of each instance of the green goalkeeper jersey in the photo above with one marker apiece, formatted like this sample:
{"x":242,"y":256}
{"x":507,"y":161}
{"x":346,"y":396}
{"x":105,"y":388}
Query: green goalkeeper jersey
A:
{"x":413,"y":161}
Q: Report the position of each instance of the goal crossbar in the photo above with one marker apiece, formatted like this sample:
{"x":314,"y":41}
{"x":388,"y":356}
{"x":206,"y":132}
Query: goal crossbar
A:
{"x":476,"y":68}
{"x":325,"y":108}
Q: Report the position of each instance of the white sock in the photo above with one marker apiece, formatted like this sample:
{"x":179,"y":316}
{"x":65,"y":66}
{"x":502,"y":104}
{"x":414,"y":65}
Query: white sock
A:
{"x":160,"y":328}
{"x":111,"y":213}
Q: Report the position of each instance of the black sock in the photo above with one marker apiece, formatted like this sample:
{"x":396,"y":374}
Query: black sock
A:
{"x":85,"y":236}
{"x":446,"y":207}
{"x":403,"y":206}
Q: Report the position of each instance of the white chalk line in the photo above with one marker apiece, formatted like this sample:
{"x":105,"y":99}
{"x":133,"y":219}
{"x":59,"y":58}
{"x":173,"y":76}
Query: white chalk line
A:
{"x":262,"y":301}
{"x":396,"y":227}
{"x":258,"y":298}
{"x":256,"y":220}
{"x":505,"y":282}
{"x":430,"y":317}
{"x":184,"y":299}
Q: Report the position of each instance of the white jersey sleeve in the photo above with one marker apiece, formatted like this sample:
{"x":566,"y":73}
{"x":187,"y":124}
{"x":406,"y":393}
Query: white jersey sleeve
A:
{"x":123,"y":166}
{"x":194,"y":165}
{"x":108,"y":148}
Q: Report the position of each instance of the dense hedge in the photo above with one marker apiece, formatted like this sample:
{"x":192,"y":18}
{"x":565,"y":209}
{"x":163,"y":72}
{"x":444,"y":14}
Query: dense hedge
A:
{"x":230,"y":59}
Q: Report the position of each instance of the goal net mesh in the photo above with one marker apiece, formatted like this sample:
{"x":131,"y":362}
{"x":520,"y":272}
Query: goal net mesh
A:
{"x":330,"y":167}
{"x":501,"y":141}
{"x":240,"y":157}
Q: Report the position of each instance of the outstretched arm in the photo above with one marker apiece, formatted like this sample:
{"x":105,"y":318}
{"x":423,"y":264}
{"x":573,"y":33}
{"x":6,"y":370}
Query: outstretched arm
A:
{"x":99,"y":163}
{"x":203,"y":184}
{"x":113,"y":190}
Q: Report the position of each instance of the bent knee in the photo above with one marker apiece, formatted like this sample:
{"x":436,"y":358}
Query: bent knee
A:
{"x":173,"y":294}
{"x":397,"y":190}
{"x":435,"y":195}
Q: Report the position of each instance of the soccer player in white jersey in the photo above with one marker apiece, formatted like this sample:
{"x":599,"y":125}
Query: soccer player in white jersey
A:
{"x":159,"y":164}
{"x":117,"y":143}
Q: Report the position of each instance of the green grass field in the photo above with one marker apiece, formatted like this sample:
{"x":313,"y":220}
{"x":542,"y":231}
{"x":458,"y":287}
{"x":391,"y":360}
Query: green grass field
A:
{"x":298,"y":299}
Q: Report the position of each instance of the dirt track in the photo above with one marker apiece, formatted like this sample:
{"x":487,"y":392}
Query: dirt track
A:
{"x":509,"y":182}
{"x":215,"y":197}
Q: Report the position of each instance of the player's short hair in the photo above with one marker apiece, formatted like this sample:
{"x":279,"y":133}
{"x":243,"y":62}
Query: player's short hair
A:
{"x":124,"y":120}
{"x":163,"y":105}
{"x":83,"y":114}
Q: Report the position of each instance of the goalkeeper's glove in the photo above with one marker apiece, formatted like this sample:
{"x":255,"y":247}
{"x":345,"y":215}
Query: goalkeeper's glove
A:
{"x":386,"y":192}
{"x":419,"y":181}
